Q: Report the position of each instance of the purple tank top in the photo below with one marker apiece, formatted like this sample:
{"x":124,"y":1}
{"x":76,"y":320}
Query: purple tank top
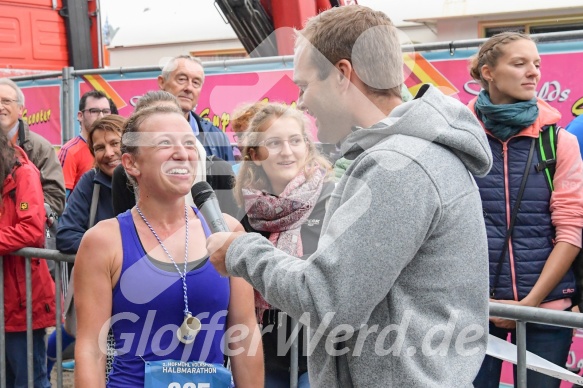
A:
{"x":148,"y":308}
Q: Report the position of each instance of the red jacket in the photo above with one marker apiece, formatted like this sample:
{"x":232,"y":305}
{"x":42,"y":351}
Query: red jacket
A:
{"x":22,"y":221}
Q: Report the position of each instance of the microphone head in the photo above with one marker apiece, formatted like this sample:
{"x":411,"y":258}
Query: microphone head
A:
{"x":201,"y":192}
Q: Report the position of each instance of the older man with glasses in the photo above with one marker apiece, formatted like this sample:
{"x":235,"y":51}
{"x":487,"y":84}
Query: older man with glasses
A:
{"x":75,"y":157}
{"x":37,"y":148}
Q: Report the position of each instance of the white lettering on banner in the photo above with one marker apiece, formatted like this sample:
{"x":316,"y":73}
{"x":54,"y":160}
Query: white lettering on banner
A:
{"x":189,"y":385}
{"x":472,"y":87}
{"x":134,"y":100}
{"x":549,"y":91}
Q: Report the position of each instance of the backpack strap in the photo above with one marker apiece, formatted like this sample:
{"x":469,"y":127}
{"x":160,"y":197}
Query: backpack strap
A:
{"x":209,"y":163}
{"x":514,"y":214}
{"x":94,"y":203}
{"x":547,"y":153}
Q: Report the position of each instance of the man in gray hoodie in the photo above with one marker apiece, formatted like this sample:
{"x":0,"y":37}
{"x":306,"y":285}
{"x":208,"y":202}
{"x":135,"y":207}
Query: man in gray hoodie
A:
{"x":396,"y":294}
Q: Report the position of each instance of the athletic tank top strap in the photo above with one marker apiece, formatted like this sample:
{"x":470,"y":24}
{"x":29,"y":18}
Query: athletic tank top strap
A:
{"x":205,"y":227}
{"x":130,"y":241}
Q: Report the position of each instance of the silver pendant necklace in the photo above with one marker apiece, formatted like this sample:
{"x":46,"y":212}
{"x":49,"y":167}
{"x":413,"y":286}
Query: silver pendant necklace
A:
{"x":190,"y":327}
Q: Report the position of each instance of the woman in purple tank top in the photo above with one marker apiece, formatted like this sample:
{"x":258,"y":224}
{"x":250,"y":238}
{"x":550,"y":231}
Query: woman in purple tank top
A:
{"x":146,"y":275}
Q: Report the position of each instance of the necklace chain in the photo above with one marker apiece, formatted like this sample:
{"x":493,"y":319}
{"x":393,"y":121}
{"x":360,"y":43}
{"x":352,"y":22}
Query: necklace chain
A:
{"x":182,"y":275}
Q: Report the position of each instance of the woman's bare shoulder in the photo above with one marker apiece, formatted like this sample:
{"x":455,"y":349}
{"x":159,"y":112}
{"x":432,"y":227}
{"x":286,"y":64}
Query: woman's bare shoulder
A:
{"x":103,"y":239}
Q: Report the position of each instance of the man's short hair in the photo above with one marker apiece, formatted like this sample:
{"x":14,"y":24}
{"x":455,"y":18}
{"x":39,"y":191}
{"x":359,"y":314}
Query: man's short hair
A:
{"x":112,"y":107}
{"x":170,"y":66}
{"x":12,"y":84}
{"x":365,"y":37}
{"x":97,"y":94}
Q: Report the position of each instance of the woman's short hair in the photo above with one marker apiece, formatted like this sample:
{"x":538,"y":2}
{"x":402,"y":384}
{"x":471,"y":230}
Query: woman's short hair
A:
{"x":111,"y":123}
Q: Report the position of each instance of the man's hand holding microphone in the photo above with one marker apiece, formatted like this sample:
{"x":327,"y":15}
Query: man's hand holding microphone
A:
{"x":220,"y":240}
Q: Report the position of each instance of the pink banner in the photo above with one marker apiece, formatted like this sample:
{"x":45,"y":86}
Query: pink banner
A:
{"x":42,"y":111}
{"x":560,"y":84}
{"x":221,"y":93}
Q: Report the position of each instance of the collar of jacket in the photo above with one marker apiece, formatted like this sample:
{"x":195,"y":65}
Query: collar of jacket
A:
{"x":101,"y":178}
{"x":23,"y":136}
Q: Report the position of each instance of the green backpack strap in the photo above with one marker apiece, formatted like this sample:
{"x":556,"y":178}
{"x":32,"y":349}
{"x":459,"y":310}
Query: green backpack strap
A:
{"x":547,"y":153}
{"x":547,"y":150}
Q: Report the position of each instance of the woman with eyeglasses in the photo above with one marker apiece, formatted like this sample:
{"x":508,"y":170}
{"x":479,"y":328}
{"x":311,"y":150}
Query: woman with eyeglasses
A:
{"x":283,"y":186}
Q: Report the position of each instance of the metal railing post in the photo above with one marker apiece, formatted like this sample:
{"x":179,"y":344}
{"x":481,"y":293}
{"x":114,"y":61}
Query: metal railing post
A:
{"x":58,"y":308}
{"x":68,"y":97}
{"x":64,"y":107}
{"x":71,"y":104}
{"x":29,"y":339}
{"x":294,"y":354}
{"x":2,"y":328}
{"x":521,"y":355}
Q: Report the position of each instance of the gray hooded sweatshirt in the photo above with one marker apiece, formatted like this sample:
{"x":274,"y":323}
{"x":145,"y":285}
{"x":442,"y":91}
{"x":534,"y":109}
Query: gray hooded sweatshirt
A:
{"x":396,"y":294}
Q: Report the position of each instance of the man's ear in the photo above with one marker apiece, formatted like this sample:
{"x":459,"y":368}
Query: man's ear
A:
{"x":344,"y":71}
{"x":20,"y":110}
{"x":161,"y":82}
{"x":130,"y":165}
{"x":79,"y":116}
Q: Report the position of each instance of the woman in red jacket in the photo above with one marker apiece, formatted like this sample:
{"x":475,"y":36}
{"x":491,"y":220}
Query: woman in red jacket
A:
{"x":22,"y":220}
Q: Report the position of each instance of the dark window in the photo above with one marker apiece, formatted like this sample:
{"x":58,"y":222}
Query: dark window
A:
{"x":556,"y":28}
{"x":491,"y":31}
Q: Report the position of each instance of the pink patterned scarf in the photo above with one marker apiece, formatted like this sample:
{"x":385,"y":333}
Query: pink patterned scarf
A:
{"x":283,"y":217}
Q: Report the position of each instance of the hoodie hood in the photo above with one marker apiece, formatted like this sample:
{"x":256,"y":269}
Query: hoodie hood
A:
{"x":434,"y":117}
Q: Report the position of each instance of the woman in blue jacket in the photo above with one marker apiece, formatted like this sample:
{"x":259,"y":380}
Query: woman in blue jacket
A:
{"x":104,"y":141}
{"x":533,"y":222}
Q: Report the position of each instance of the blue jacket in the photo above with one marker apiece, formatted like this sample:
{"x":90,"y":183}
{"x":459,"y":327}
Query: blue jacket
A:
{"x":214,"y":141}
{"x":576,"y":128}
{"x":533,"y":234}
{"x":75,"y":220}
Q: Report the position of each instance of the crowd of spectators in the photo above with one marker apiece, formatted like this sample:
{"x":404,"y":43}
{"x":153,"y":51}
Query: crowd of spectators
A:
{"x":118,"y":195}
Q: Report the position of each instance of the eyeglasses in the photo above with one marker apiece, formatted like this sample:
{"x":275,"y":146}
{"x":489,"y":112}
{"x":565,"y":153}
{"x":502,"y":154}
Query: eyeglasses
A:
{"x":7,"y":101}
{"x":274,"y":144}
{"x":95,"y":111}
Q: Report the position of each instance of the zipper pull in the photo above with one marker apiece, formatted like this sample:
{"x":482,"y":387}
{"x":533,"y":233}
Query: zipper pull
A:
{"x":504,"y":148}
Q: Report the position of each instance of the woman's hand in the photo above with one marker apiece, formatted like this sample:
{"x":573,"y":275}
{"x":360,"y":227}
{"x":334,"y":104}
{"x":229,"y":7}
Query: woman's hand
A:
{"x":502,"y":323}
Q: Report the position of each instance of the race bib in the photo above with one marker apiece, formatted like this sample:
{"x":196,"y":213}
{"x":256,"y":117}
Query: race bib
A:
{"x":193,"y":374}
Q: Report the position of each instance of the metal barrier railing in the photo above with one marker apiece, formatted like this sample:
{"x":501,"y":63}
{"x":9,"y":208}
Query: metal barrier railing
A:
{"x":520,"y":314}
{"x":28,"y":253}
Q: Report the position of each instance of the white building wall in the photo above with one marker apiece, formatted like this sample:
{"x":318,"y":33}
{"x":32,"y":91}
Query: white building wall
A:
{"x":456,"y":29}
{"x":144,"y":40}
{"x":151,"y":55}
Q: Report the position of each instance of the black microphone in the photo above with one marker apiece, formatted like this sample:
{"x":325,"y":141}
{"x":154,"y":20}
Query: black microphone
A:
{"x":206,"y":201}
